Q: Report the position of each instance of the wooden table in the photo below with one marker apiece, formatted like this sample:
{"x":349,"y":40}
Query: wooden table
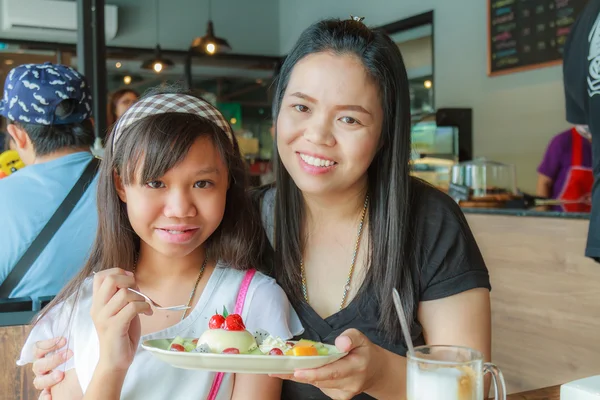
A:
{"x":550,"y":393}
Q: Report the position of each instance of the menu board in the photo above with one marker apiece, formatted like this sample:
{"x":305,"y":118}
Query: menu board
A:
{"x":527,"y":34}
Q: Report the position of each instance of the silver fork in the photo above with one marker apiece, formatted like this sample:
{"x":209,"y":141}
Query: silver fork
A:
{"x":155,"y":304}
{"x":158,"y":306}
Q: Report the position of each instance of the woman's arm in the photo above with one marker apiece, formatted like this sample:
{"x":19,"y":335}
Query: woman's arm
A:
{"x":106,"y":384}
{"x":68,"y":388}
{"x":250,"y":387}
{"x":463,"y":320}
{"x":48,"y":357}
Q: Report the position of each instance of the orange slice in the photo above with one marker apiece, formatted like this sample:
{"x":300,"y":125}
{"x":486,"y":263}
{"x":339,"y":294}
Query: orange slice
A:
{"x":305,"y":351}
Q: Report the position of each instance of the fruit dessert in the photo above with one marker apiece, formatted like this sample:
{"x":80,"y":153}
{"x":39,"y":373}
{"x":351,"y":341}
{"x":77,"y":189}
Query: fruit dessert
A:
{"x":227,"y":334}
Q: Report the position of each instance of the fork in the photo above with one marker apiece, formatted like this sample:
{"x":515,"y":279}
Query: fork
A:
{"x":158,"y":306}
{"x":155,"y":304}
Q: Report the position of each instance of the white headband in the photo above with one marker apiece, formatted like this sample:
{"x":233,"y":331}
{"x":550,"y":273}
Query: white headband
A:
{"x":170,"y":102}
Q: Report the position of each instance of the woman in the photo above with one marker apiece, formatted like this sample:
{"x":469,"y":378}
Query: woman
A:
{"x":348,"y":223}
{"x":119,"y":102}
{"x":565,"y":173}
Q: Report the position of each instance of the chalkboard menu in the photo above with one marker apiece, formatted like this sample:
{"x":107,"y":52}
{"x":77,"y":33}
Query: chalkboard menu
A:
{"x":527,"y":34}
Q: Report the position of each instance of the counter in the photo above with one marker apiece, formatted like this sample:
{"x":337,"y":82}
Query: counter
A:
{"x":526,"y":213}
{"x":545,"y":295}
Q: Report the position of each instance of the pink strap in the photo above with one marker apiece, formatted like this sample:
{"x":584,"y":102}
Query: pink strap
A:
{"x":239,"y":304}
{"x":239,"y":307}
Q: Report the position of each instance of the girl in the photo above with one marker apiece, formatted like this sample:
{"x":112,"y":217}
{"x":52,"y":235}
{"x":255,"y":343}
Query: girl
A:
{"x":174,"y":215}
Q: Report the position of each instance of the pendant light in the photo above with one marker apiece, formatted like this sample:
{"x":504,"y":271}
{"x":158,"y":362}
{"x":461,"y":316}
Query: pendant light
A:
{"x":157,"y":63}
{"x":209,"y":43}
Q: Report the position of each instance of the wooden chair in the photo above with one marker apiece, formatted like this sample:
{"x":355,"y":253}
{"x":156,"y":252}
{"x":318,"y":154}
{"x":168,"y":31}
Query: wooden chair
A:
{"x":16,"y":382}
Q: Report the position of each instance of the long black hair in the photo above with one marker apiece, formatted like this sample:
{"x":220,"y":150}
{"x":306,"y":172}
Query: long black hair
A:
{"x":391,"y":263}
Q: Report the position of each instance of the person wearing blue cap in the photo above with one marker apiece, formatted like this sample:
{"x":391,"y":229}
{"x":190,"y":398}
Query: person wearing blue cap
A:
{"x":49,"y":216}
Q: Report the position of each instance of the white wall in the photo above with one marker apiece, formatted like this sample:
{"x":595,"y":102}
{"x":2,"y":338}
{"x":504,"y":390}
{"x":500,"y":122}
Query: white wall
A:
{"x":250,"y":27}
{"x":514,"y":115}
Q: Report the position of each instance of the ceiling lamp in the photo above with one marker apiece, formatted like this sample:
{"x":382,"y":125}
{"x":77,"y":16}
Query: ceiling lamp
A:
{"x":157,"y":63}
{"x":209,"y":43}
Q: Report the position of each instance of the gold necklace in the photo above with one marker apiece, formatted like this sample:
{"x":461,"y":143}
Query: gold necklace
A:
{"x":195,"y":285}
{"x":354,"y":255}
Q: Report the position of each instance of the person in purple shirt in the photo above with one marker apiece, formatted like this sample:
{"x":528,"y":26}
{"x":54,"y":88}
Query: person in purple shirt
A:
{"x":566,"y":170}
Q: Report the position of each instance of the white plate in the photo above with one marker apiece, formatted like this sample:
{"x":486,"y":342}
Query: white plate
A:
{"x":237,"y":363}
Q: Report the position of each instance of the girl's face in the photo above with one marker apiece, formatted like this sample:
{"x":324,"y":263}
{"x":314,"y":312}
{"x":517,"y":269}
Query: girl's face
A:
{"x":124,"y":103}
{"x":329,"y":124}
{"x":176,"y":213}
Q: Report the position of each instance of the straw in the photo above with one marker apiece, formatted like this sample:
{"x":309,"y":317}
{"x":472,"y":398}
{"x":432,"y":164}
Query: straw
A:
{"x":403,"y":324}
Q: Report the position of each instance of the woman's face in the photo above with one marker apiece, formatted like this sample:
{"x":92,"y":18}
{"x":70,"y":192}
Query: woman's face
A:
{"x":124,"y":103}
{"x":329,"y":124}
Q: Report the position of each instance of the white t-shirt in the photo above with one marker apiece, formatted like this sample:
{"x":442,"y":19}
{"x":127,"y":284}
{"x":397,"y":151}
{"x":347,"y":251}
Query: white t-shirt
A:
{"x":266,"y":307}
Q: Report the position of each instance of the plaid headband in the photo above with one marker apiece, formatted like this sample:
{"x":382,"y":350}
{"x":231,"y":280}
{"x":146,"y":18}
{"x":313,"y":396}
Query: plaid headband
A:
{"x":170,"y":102}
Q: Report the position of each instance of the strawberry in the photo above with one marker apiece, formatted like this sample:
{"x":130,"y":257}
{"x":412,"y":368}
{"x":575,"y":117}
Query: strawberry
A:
{"x":234,"y":322}
{"x":177,"y":347}
{"x":195,"y":341}
{"x":231,"y":350}
{"x":276,"y":352}
{"x":216,"y":322}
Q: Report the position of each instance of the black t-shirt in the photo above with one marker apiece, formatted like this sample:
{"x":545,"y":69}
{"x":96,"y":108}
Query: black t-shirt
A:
{"x":450,"y":263}
{"x":581,"y":71}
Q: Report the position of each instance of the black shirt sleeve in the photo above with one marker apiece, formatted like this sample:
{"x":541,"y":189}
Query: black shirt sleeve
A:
{"x":449,"y":258}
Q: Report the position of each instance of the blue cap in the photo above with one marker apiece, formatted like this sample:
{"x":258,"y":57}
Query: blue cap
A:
{"x":33,"y":91}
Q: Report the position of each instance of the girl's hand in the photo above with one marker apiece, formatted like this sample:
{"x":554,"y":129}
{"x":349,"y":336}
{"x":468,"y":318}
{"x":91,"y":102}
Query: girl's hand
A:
{"x":45,"y":365}
{"x":362,"y":370}
{"x":115,"y":314}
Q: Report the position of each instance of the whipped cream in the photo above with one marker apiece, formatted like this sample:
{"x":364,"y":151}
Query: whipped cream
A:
{"x":272,"y":342}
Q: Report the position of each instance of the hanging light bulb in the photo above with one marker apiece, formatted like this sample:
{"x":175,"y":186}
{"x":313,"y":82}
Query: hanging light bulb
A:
{"x":127,"y":79}
{"x":158,"y":63}
{"x":209,"y":43}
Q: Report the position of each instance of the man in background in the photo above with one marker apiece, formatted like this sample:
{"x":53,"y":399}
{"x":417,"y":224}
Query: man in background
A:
{"x":48,"y":115}
{"x":581,"y":70}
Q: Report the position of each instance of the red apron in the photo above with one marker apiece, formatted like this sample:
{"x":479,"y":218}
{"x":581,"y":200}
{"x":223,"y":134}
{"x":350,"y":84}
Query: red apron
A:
{"x":579,"y":180}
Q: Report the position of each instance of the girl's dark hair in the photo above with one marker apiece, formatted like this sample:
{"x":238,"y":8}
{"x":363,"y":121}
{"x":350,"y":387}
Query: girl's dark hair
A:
{"x":150,"y":147}
{"x":47,"y":139}
{"x":111,"y":109}
{"x":391,"y":264}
